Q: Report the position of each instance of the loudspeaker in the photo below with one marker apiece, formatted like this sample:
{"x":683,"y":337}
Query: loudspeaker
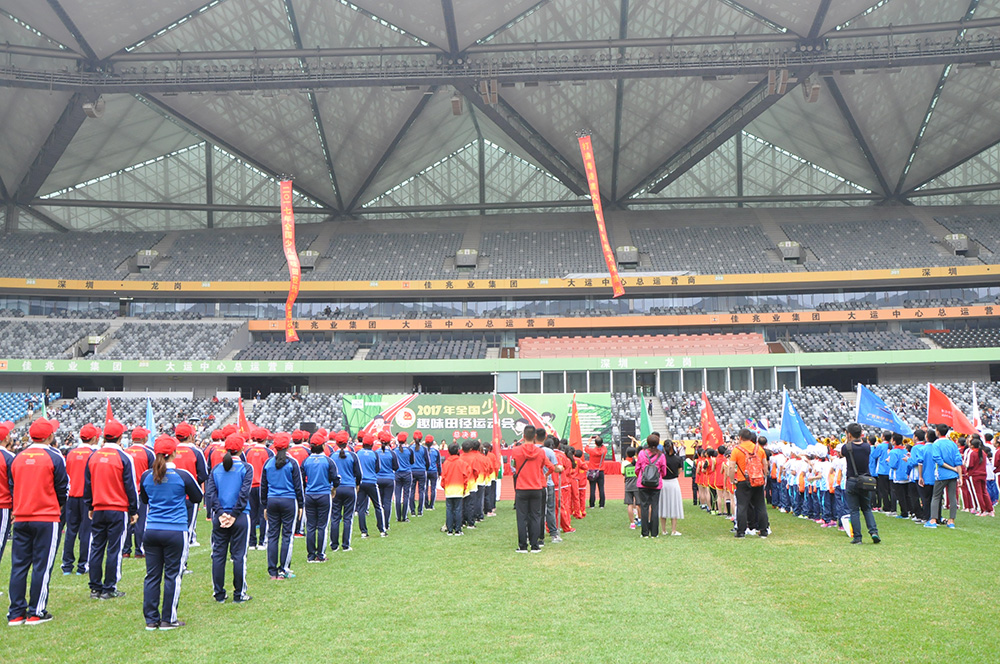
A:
{"x":627,"y":428}
{"x":308,"y":426}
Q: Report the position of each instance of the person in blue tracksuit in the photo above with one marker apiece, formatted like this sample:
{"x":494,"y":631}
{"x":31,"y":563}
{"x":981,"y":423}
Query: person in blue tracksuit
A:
{"x":386,"y":478}
{"x":899,"y":475}
{"x":321,"y":477}
{"x":166,"y":490}
{"x":227,"y":490}
{"x":418,"y":472}
{"x":433,"y":471}
{"x":404,"y":478}
{"x":945,"y":456}
{"x":368,"y":489}
{"x":924,"y":457}
{"x":281,"y":494}
{"x":346,"y":497}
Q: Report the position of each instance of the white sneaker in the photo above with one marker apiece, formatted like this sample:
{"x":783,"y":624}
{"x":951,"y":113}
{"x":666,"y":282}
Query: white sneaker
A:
{"x":675,"y":534}
{"x":195,"y":543}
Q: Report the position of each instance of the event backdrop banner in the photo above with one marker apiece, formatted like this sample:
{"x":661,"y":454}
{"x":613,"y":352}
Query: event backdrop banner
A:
{"x":467,"y":416}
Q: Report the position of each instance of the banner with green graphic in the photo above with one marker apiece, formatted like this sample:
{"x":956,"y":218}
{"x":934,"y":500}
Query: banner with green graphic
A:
{"x":466,"y":416}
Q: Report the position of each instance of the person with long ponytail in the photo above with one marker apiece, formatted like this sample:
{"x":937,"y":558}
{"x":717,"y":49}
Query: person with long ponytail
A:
{"x":320,"y":477}
{"x":346,"y":496}
{"x":433,"y":471}
{"x":227,"y":490}
{"x":404,"y":477}
{"x":418,"y":473}
{"x":281,"y":496}
{"x":166,"y":490}
{"x":368,"y":488}
{"x":386,"y":479}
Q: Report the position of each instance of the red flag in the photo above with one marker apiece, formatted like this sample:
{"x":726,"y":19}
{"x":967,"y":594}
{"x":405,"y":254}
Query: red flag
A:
{"x":940,"y":410}
{"x":291,"y":256}
{"x":590,"y":166}
{"x":109,"y":415}
{"x":575,"y":435}
{"x":497,"y":436}
{"x":241,"y":421}
{"x":711,"y":434}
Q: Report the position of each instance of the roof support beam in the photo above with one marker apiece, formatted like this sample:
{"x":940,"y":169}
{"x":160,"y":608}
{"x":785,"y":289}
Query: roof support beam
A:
{"x":448,"y":10}
{"x":167,"y":205}
{"x":481,"y":143}
{"x":52,"y":149}
{"x":214,"y":139}
{"x":953,"y":165}
{"x":373,"y":173}
{"x":965,"y":189}
{"x":511,"y":123}
{"x":317,"y":118}
{"x":817,"y":24}
{"x":68,"y":22}
{"x":45,"y":219}
{"x":730,"y":123}
{"x":619,"y":103}
{"x":848,"y":116}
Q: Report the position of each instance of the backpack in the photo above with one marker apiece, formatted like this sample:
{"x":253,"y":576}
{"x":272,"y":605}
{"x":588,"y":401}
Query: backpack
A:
{"x":754,"y":469}
{"x":650,"y":476}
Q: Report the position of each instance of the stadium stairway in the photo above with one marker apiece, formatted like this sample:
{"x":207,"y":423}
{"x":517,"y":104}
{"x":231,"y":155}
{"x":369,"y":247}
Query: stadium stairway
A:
{"x":162,"y":247}
{"x":658,"y":421}
{"x":110,"y":341}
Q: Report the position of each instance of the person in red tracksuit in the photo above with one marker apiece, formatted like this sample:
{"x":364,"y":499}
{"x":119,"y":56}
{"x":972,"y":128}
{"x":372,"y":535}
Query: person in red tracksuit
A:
{"x":257,"y":455}
{"x":142,"y":460}
{"x":564,"y":489}
{"x":581,"y":480}
{"x":189,"y":457}
{"x":112,"y":502}
{"x":6,"y":500}
{"x":75,"y":516}
{"x":39,"y":485}
{"x":530,"y":466}
{"x":214,"y":452}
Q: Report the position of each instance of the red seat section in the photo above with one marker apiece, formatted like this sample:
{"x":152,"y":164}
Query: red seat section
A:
{"x":643,"y":345}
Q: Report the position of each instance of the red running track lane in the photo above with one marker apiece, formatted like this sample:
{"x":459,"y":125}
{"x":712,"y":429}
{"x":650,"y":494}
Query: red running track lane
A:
{"x":614,"y":488}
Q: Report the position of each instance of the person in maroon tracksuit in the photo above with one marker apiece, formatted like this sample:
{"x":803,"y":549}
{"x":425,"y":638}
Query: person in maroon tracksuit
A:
{"x":38,"y":483}
{"x":112,"y":502}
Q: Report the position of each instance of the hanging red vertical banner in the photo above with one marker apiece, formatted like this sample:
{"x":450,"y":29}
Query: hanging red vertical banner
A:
{"x":590,"y":167}
{"x":291,"y":255}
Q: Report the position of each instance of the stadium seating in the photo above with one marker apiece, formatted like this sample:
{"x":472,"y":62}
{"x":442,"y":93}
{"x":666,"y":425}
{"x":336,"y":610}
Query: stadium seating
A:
{"x":984,"y":229}
{"x":227,"y":256}
{"x":71,"y":255}
{"x":868,"y":245}
{"x":540,"y":254}
{"x":97,"y":313}
{"x":285,"y":412}
{"x":205,"y":414}
{"x":910,"y":401}
{"x":824,"y":410}
{"x":14,"y":405}
{"x":169,"y":315}
{"x":44,"y":340}
{"x":707,"y":250}
{"x":303,"y":350}
{"x":453,"y":349}
{"x":763,"y":308}
{"x":836,"y":342}
{"x":645,"y":345}
{"x":179,"y":341}
{"x":982,"y":338}
{"x":387,"y":256}
{"x":851,"y":305}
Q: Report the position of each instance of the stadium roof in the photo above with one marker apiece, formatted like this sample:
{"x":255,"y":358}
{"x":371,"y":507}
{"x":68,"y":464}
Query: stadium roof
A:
{"x":436,"y":107}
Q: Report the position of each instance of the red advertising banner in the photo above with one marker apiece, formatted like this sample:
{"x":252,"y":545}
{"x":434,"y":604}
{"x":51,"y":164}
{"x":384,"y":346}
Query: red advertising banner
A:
{"x":590,"y":166}
{"x":291,"y":255}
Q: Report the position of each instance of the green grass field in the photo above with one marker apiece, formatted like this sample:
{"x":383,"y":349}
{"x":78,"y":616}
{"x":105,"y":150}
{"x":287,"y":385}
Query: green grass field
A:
{"x":604,"y":595}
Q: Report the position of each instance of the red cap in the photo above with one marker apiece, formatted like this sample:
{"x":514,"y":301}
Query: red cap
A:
{"x":430,"y":439}
{"x":139,"y":433}
{"x":384,"y":436}
{"x":165,"y":445}
{"x":299,"y":435}
{"x":183,"y":430}
{"x":401,"y":436}
{"x":217,"y":435}
{"x":229,"y":429}
{"x":341,"y":437}
{"x":281,"y":441}
{"x":368,"y":439}
{"x":89,"y":432}
{"x":235,"y":443}
{"x":317,"y":439}
{"x":258,"y":434}
{"x":418,"y":434}
{"x":41,"y":429}
{"x":4,"y":431}
{"x":113,"y":429}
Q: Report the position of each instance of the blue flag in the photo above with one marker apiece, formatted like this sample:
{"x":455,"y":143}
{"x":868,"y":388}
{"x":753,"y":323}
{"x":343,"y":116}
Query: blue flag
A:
{"x":873,"y":412}
{"x":793,"y":429}
{"x":150,"y":422}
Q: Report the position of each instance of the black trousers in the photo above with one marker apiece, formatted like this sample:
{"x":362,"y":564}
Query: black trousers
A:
{"x":386,"y":489}
{"x":530,"y":504}
{"x":135,"y":532}
{"x":256,"y":518}
{"x":418,"y":491}
{"x":370,"y":492}
{"x":750,"y":498}
{"x":431,"y":496}
{"x":231,"y":542}
{"x":913,"y":497}
{"x":77,"y":526}
{"x":902,"y":496}
{"x":166,"y":553}
{"x":317,"y":517}
{"x":598,"y":484}
{"x":649,"y":511}
{"x":33,"y":548}
{"x":280,"y":522}
{"x":926,"y":496}
{"x":885,"y":497}
{"x":107,"y":535}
